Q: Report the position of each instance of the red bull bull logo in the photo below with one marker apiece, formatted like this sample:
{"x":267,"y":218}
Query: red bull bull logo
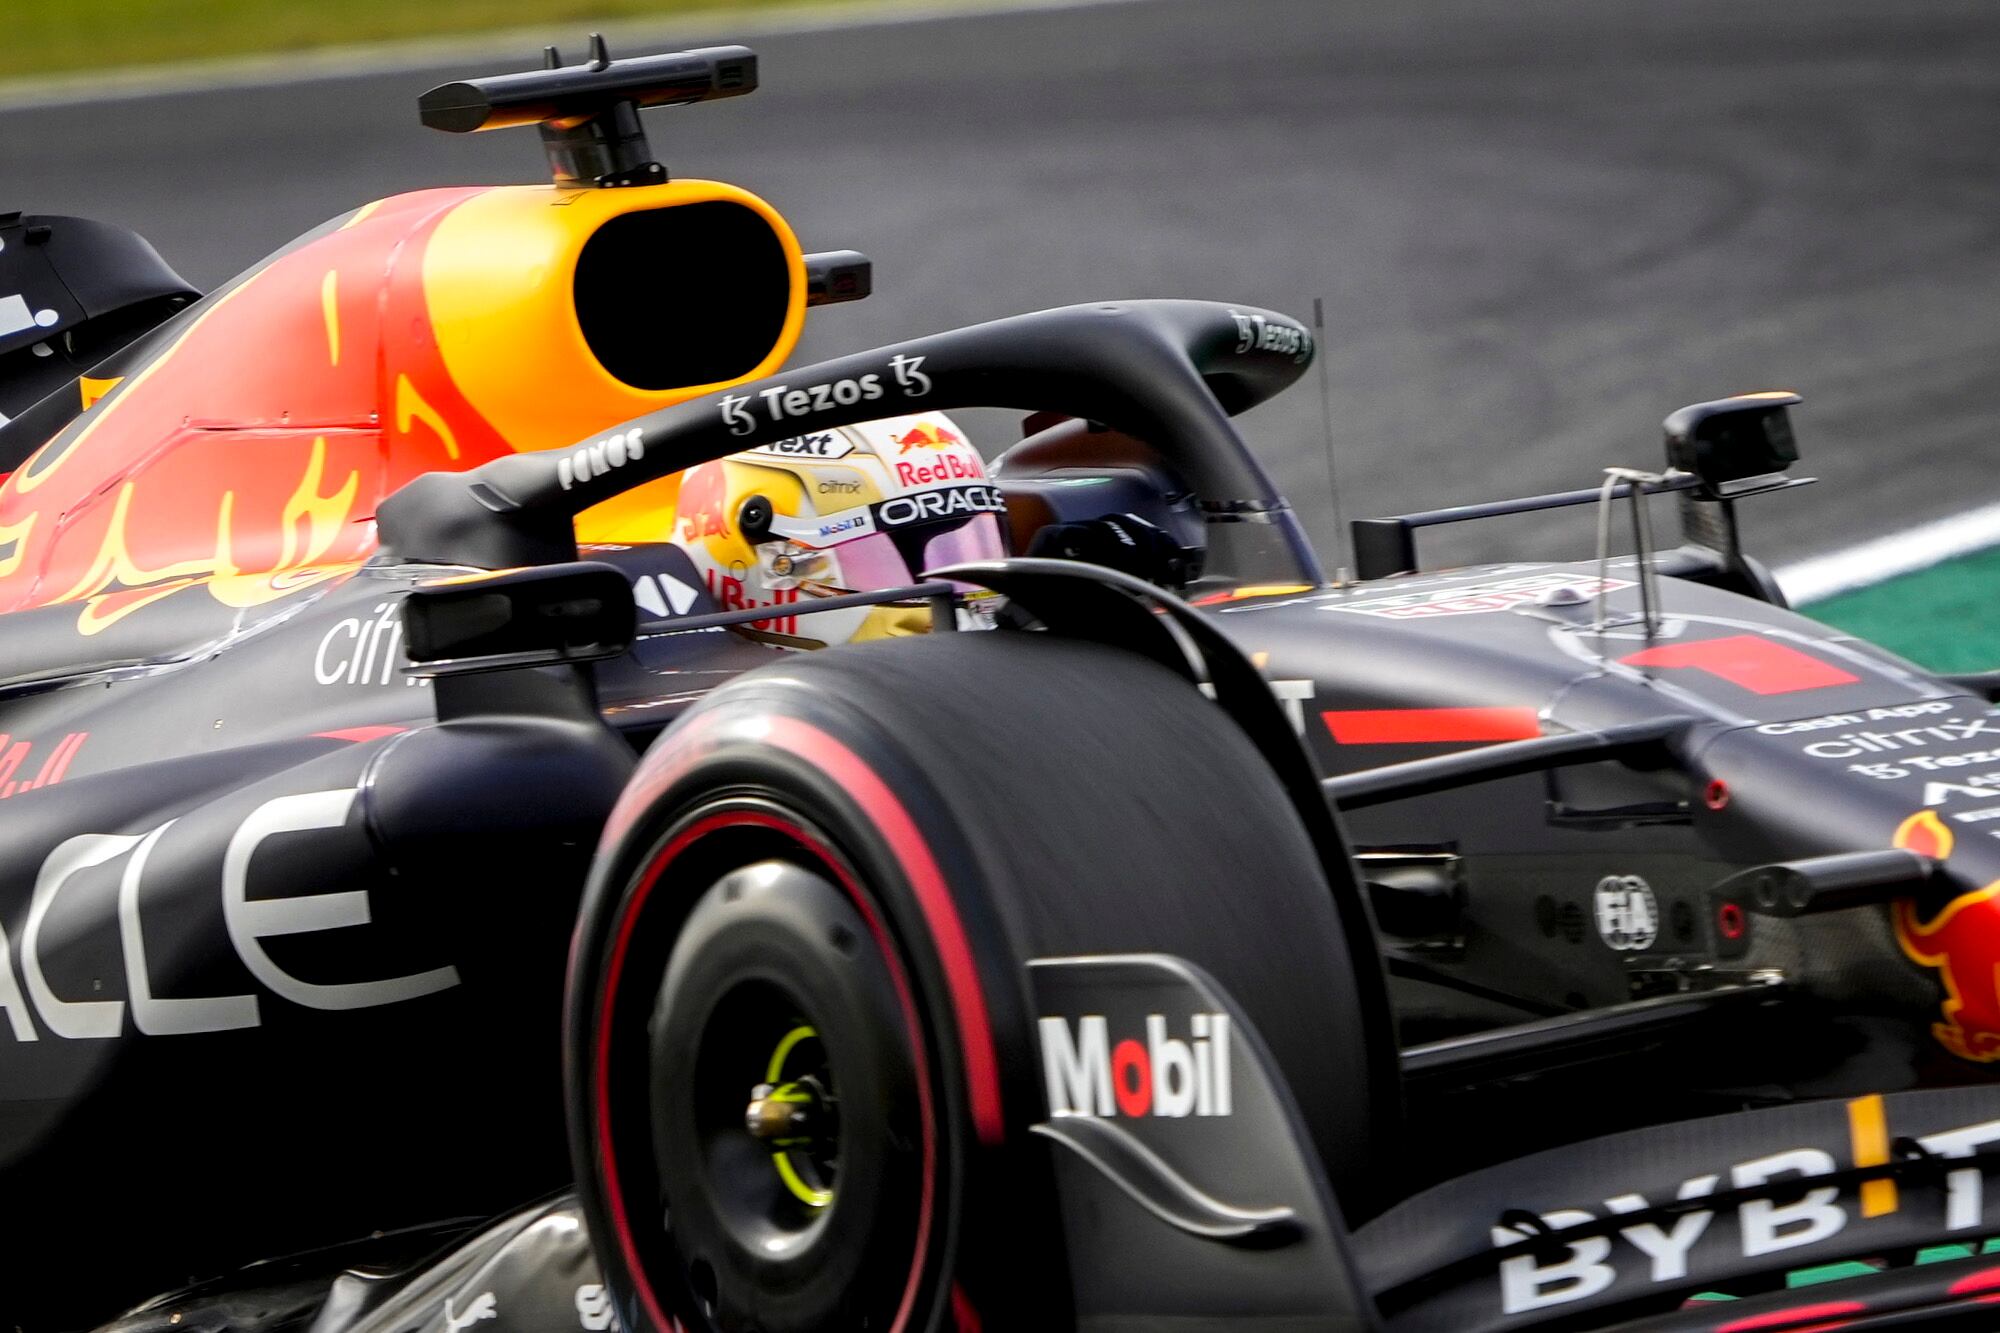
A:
{"x":1962,"y":942}
{"x":703,"y":509}
{"x":927,"y":436}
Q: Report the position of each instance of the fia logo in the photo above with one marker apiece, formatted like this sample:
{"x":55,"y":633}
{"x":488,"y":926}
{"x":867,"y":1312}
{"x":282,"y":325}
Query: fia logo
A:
{"x":1628,"y":915}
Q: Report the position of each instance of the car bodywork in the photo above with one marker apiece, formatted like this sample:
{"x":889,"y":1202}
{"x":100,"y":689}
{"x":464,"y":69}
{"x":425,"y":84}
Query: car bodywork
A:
{"x":298,"y":786}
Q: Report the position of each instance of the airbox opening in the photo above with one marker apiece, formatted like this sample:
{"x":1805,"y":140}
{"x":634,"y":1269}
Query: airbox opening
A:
{"x":673,"y":297}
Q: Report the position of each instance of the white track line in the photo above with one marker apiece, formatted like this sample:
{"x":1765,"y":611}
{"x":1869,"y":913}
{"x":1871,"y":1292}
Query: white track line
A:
{"x":1889,"y":557}
{"x":522,"y":45}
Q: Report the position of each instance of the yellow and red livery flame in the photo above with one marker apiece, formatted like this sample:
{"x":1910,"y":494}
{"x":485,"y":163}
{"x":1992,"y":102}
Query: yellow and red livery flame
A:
{"x":430,"y":331}
{"x":1962,"y":942}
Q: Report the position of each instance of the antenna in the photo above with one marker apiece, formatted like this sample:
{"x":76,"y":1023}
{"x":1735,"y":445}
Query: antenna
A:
{"x":1342,"y":564}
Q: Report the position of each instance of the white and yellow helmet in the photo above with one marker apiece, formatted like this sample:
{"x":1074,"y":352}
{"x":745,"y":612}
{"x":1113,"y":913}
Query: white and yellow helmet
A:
{"x":856,"y":509}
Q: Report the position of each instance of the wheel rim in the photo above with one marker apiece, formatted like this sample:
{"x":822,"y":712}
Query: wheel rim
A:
{"x":767,"y":1145}
{"x":779,"y":1199}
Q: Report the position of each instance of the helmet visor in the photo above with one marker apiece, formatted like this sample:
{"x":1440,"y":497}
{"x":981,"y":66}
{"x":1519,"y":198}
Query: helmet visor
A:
{"x":878,"y":559}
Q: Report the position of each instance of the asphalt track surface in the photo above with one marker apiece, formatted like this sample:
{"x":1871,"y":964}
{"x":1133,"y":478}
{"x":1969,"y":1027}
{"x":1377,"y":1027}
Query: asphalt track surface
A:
{"x":1537,"y":225}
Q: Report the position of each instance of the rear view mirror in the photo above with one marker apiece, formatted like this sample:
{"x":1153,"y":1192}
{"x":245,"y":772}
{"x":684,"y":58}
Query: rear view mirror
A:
{"x":540,"y":616}
{"x":1746,"y":439}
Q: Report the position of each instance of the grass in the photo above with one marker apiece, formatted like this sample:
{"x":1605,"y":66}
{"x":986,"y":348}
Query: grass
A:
{"x":57,"y":36}
{"x":1946,"y":618}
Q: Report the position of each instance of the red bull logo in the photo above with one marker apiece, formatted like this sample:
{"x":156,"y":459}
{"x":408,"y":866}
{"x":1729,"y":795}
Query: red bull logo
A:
{"x":730,"y":594}
{"x":927,"y":436}
{"x":703,"y":508}
{"x":1962,"y":942}
{"x":948,"y":467}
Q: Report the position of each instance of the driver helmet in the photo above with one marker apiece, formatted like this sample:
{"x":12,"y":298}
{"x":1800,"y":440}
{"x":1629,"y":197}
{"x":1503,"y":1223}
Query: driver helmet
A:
{"x":855,"y":509}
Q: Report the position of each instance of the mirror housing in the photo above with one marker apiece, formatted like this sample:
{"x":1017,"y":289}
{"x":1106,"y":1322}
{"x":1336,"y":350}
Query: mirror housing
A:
{"x":1735,"y":445}
{"x":515,"y":642}
{"x":546,"y":615}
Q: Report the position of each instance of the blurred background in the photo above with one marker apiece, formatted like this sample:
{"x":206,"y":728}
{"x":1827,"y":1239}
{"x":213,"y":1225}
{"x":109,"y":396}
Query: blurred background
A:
{"x":1536,"y":226}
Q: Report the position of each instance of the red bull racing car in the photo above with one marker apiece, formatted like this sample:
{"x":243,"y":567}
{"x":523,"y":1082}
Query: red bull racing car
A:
{"x":519,"y":810}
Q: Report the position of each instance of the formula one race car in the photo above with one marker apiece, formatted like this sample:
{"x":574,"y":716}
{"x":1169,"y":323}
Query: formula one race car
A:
{"x":441,"y":890}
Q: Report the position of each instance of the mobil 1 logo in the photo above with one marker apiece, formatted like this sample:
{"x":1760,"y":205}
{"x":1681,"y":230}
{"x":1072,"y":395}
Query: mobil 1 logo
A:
{"x":1155,"y":1080}
{"x":1089,"y":1070}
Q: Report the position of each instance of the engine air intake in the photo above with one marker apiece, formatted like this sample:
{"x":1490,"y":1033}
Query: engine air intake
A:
{"x":717,"y":263}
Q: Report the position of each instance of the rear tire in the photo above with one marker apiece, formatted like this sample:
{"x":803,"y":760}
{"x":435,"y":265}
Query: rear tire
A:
{"x":974,"y":801}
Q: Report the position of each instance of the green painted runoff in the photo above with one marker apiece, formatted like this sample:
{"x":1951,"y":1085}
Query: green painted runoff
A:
{"x":1946,"y":618}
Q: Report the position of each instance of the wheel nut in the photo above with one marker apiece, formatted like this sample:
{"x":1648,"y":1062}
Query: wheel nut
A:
{"x":778,"y":1113}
